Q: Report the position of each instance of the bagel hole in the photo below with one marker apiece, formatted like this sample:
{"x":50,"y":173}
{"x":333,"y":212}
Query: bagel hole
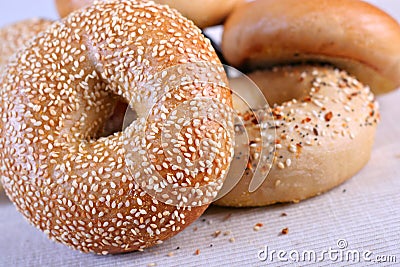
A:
{"x":284,"y":83}
{"x":278,"y":96}
{"x":123,"y":115}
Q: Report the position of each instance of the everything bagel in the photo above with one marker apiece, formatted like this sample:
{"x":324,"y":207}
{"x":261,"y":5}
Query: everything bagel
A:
{"x":325,"y":124}
{"x":326,"y":119}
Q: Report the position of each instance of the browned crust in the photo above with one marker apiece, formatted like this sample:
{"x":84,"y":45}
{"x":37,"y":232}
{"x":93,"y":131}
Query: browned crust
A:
{"x":352,"y":34}
{"x":57,"y":94}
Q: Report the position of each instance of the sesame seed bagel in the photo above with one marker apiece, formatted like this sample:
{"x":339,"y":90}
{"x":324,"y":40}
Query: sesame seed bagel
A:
{"x":352,"y":35}
{"x":16,"y":35}
{"x":134,"y":188}
{"x":204,"y":13}
{"x":325,"y":126}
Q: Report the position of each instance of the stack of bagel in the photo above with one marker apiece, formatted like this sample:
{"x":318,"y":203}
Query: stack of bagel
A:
{"x":93,"y":184}
{"x":319,"y":64}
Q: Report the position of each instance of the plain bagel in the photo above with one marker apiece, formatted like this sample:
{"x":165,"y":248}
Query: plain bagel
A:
{"x":352,"y":35}
{"x":325,"y":126}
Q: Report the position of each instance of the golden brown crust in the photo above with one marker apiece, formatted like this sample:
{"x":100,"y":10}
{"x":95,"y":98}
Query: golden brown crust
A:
{"x":204,"y":13}
{"x":351,"y":34}
{"x":15,"y":36}
{"x":323,"y":137}
{"x":65,"y":7}
{"x":84,"y":191}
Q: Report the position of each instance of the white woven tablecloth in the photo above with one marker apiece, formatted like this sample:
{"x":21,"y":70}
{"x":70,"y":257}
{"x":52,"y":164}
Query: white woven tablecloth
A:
{"x":361,"y":216}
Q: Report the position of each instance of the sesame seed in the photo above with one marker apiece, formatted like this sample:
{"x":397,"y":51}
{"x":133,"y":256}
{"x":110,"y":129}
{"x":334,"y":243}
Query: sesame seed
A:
{"x":94,"y":182}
